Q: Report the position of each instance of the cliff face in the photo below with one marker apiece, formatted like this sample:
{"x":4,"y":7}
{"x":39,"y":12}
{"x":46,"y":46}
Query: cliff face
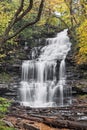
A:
{"x":76,"y":74}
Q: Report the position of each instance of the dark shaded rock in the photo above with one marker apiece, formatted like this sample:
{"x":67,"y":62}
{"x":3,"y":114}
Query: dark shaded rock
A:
{"x":3,"y":88}
{"x":14,"y":67}
{"x":8,"y":90}
{"x":15,"y":103}
{"x":78,"y":91}
{"x":83,"y":67}
{"x":30,"y":127}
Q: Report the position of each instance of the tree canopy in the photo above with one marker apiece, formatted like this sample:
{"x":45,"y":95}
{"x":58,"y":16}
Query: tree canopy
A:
{"x":36,"y":17}
{"x":81,"y":56}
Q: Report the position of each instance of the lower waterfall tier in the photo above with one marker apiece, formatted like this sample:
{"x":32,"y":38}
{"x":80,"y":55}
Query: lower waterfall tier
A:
{"x":36,"y":94}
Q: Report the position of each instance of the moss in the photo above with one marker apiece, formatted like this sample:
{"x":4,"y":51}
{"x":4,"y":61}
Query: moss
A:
{"x":5,"y":77}
{"x":4,"y":127}
{"x":81,"y":32}
{"x":4,"y":104}
{"x":83,"y":97}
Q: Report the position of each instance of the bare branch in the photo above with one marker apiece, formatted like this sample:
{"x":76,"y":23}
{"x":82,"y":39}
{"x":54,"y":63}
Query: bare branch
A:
{"x":13,"y":20}
{"x":69,"y":5}
{"x":20,"y":8}
{"x":26,"y":11}
{"x":29,"y":24}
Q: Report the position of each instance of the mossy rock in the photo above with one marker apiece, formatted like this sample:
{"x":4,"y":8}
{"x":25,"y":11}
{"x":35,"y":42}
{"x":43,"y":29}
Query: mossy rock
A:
{"x":4,"y":127}
{"x":5,"y":77}
{"x":4,"y":105}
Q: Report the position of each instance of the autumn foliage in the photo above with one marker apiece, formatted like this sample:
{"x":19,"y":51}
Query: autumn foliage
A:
{"x":81,"y":56}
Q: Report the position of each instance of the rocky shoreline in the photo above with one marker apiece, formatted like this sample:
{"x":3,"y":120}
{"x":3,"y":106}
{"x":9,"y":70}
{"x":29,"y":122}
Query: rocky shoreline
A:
{"x":65,"y":118}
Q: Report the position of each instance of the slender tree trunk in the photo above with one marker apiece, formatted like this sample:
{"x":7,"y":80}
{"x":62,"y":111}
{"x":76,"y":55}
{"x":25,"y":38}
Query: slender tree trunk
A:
{"x":71,"y":12}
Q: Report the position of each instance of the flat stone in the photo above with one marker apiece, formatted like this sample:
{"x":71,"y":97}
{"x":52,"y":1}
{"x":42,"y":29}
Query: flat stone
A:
{"x":3,"y":85}
{"x":30,"y":127}
{"x":8,"y":123}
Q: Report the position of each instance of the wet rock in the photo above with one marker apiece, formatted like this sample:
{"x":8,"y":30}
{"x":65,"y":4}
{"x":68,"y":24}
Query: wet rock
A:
{"x":11,"y":94}
{"x":8,"y":90}
{"x":15,"y":103}
{"x":8,"y":67}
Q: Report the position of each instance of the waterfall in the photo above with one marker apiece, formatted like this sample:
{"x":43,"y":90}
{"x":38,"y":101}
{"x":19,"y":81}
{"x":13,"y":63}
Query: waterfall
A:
{"x":40,"y":86}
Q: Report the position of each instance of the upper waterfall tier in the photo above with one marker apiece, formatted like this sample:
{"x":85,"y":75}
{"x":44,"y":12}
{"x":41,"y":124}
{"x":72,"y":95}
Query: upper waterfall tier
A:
{"x":57,"y":48}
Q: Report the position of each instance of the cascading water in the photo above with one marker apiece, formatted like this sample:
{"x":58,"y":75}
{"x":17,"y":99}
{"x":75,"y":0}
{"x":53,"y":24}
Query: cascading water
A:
{"x":40,"y":86}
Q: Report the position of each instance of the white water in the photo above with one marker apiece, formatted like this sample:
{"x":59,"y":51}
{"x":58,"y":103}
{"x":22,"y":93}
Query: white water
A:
{"x":39,"y":85}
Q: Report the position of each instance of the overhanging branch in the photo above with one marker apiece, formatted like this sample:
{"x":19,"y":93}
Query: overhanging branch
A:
{"x":63,"y":21}
{"x":29,"y":24}
{"x":26,"y":11}
{"x":13,"y":20}
{"x":19,"y":9}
